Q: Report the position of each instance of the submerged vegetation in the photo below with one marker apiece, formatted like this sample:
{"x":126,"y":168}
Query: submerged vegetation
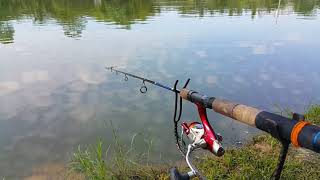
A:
{"x":255,"y":160}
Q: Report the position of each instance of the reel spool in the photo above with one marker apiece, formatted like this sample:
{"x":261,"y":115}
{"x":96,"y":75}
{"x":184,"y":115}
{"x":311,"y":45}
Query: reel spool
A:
{"x":196,"y":134}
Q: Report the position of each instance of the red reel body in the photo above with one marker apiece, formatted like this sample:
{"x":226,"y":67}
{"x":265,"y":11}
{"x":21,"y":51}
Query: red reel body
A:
{"x":203,"y":133}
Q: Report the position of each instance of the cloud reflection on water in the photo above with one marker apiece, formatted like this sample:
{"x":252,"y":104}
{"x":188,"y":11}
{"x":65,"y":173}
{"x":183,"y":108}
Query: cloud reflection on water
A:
{"x":34,"y":76}
{"x":8,"y":87}
{"x":61,"y":96}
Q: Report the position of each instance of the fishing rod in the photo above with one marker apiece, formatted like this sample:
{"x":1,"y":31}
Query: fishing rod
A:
{"x":201,"y":135}
{"x":295,"y":131}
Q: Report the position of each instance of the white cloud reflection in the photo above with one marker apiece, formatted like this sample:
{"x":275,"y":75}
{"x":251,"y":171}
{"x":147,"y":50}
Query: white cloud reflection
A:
{"x":34,"y":76}
{"x":201,"y":54}
{"x":260,"y":48}
{"x":277,"y":85}
{"x":264,"y":76}
{"x":294,"y":36}
{"x":212,"y":80}
{"x":91,"y":78}
{"x":83,"y":113}
{"x":8,"y":87}
{"x":239,"y":79}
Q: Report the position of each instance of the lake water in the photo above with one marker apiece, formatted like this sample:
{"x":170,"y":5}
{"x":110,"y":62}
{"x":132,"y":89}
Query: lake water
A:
{"x":55,"y":93}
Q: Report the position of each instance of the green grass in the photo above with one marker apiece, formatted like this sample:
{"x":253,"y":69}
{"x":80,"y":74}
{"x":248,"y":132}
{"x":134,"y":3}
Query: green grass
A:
{"x":94,"y":163}
{"x":91,"y":162}
{"x":258,"y":159}
{"x":313,"y":114}
{"x":255,"y":160}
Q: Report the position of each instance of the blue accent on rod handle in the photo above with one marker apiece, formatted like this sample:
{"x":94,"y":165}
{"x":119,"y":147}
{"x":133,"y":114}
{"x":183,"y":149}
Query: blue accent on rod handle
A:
{"x":315,"y":141}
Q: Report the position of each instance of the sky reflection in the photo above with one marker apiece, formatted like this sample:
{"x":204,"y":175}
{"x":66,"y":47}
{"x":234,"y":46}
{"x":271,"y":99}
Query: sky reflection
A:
{"x":56,"y":94}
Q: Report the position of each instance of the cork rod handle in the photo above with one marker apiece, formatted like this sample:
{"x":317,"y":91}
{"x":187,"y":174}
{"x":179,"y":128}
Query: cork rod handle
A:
{"x":240,"y":112}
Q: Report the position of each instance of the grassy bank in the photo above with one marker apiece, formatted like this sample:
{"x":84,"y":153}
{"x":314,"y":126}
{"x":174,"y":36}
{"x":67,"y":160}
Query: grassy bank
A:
{"x":255,"y":160}
{"x":94,"y":163}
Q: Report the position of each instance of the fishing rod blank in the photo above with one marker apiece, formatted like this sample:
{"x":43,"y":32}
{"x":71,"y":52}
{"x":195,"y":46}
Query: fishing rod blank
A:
{"x":144,"y":88}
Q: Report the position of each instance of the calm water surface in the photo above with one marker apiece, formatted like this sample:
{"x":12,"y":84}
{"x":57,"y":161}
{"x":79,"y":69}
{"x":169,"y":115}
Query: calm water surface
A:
{"x":55,"y":93}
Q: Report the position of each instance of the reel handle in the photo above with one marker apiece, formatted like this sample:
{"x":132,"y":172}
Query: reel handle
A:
{"x":176,"y":175}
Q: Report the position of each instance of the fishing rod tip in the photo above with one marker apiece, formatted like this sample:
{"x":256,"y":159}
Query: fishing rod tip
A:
{"x":110,"y":67}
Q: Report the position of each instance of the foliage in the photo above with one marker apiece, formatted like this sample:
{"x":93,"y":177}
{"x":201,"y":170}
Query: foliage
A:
{"x":313,"y":114}
{"x":94,"y":163}
{"x":72,"y":14}
{"x":258,"y":160}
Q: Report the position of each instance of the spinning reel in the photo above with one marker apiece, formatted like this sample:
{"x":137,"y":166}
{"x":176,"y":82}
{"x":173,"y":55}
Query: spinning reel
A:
{"x":200,"y":135}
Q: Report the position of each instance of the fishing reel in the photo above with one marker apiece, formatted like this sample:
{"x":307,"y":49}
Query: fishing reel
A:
{"x":198,"y":137}
{"x":201,"y":136}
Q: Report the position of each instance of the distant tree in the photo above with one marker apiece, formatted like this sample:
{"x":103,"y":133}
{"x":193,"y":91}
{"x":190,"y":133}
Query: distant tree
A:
{"x":71,"y":14}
